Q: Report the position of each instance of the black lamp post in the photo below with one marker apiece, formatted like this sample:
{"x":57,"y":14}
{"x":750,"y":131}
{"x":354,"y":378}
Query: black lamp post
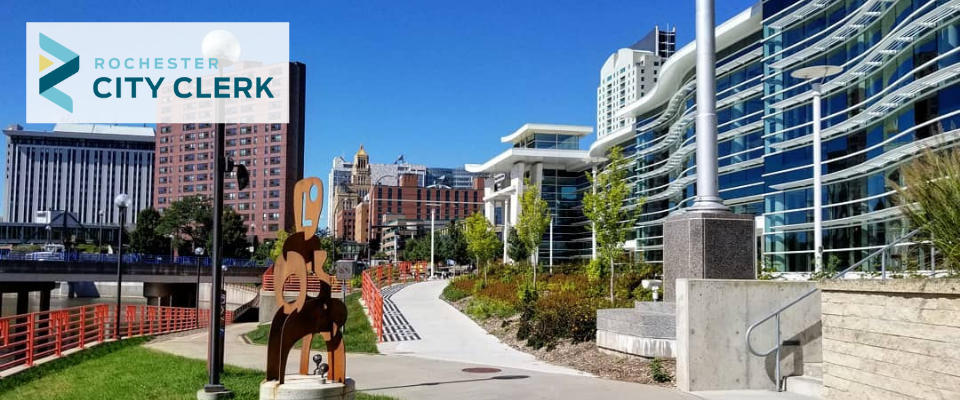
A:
{"x":122,"y":201}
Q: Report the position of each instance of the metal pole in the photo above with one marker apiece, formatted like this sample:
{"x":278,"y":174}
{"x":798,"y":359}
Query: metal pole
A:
{"x":817,"y":184}
{"x":116,"y":324}
{"x":433,"y":212}
{"x":216,"y":331}
{"x":708,"y":197}
{"x":551,"y":245}
{"x":198,"y":290}
{"x":593,"y":232}
{"x":506,"y":230}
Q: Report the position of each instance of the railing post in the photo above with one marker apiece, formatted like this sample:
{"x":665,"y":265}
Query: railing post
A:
{"x":83,"y":323}
{"x":143,"y":312}
{"x":30,"y":335}
{"x":59,"y":322}
{"x":777,"y":360}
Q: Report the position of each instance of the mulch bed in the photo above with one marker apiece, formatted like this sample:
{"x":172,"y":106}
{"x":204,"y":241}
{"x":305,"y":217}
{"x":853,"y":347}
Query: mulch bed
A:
{"x":581,"y":356}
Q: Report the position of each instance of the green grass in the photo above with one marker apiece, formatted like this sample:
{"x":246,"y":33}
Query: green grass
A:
{"x":125,"y":370}
{"x":358,"y":335}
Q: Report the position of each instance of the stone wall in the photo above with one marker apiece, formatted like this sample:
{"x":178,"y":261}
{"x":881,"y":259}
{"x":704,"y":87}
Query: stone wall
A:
{"x":891,"y":339}
{"x":712,"y":320}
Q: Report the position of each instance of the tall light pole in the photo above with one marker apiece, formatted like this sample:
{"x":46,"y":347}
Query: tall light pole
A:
{"x":100,"y":232}
{"x":223,"y":46}
{"x":433,"y":218}
{"x":199,"y":253}
{"x":708,"y":193}
{"x":551,"y":244}
{"x":122,"y":201}
{"x":819,"y":73}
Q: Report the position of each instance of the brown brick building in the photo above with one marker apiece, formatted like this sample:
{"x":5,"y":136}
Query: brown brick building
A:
{"x":409,"y":201}
{"x":273,"y":154}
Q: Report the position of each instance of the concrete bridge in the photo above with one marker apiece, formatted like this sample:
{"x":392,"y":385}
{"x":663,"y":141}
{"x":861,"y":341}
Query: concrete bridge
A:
{"x":170,"y":283}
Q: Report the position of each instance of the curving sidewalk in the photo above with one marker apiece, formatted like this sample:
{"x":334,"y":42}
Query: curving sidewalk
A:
{"x":448,"y":335}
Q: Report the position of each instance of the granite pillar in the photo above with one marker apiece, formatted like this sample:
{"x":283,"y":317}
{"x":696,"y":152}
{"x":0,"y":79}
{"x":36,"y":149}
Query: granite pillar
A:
{"x":707,"y":245}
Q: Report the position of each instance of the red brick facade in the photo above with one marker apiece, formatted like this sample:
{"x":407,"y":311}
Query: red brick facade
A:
{"x":415,"y":203}
{"x":272,"y":153}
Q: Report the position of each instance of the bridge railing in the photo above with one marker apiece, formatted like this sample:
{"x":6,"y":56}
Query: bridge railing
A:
{"x":376,"y":278}
{"x":129,"y":258}
{"x":27,"y":338}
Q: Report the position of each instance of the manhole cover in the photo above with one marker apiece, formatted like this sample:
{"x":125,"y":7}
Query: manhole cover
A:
{"x":481,"y":370}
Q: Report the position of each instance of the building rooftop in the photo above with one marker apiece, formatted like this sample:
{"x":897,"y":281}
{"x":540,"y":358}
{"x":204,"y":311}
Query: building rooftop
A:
{"x":530,"y":129}
{"x":89,"y":131}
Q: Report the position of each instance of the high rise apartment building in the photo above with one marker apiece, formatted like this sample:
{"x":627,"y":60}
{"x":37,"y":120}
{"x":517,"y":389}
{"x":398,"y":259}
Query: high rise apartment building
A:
{"x":628,"y":75}
{"x":271,"y":152}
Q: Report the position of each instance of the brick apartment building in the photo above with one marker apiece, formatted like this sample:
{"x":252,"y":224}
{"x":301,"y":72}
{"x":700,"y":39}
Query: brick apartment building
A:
{"x":411,"y":202}
{"x":272,"y":153}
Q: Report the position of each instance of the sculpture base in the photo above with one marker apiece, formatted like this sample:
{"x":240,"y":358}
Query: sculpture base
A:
{"x":707,"y":246}
{"x":307,"y":387}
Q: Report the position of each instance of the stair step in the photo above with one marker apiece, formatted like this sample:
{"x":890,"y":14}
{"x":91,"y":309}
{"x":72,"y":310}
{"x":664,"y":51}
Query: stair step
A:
{"x":813,"y":370}
{"x":805,"y":386}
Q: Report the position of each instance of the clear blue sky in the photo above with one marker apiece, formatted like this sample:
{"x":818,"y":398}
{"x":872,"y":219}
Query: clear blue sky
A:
{"x":438,"y":81}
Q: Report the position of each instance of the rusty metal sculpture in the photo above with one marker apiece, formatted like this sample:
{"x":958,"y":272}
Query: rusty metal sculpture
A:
{"x":305,"y":315}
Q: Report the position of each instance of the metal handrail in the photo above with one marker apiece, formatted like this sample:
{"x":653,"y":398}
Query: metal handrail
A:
{"x":776,"y":314}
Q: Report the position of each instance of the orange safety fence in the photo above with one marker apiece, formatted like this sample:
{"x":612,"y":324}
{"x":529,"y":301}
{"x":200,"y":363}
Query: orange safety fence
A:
{"x":26,"y":338}
{"x":293,"y":283}
{"x":386,"y":275}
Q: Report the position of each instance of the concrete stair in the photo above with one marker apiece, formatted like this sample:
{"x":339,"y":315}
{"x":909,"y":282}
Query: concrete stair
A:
{"x":810,"y":384}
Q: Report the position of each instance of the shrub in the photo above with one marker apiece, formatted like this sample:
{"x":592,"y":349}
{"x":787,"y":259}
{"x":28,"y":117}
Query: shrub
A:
{"x":459,"y":288}
{"x":565,"y":315}
{"x":501,"y":291}
{"x":595,"y":269}
{"x":483,"y":308}
{"x":357,"y":281}
{"x":657,"y":372}
{"x":625,"y":284}
{"x":929,"y":196}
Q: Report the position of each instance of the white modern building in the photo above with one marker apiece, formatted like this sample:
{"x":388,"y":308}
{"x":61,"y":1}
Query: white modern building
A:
{"x":549,"y":156}
{"x":78,"y":168}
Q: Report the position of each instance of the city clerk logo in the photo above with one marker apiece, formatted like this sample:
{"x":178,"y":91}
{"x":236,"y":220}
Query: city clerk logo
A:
{"x":71,"y":64}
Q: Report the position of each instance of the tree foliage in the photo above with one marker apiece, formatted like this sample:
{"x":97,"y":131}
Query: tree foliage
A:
{"x":482,"y":242}
{"x":416,"y":249}
{"x":145,"y":239}
{"x":191,"y":220}
{"x":930,"y":196}
{"x":610,"y":221}
{"x":453,"y":244}
{"x":533,"y":220}
{"x":516,"y":249}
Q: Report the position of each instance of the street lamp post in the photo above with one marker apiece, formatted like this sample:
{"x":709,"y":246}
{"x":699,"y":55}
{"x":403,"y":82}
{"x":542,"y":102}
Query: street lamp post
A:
{"x":199,"y":253}
{"x":819,"y":73}
{"x":551,"y":245}
{"x":100,"y":233}
{"x":433,"y":218}
{"x":122,"y":201}
{"x":223,"y":46}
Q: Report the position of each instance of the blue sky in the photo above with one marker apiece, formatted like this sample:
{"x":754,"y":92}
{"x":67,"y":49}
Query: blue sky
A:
{"x":438,"y":81}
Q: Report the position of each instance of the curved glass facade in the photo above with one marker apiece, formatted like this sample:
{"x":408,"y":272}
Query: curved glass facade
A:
{"x":897,"y":94}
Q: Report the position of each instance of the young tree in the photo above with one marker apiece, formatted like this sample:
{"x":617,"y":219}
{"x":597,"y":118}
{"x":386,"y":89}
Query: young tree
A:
{"x":453,"y":245}
{"x":532,"y":222}
{"x":516,"y":249}
{"x":234,"y":241}
{"x":278,"y":245}
{"x":145,"y":239}
{"x":482,"y":242}
{"x":610,"y":221}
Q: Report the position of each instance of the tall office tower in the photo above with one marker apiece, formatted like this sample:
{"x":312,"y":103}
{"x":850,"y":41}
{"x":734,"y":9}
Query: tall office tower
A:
{"x":272,"y":152}
{"x":79,"y":169}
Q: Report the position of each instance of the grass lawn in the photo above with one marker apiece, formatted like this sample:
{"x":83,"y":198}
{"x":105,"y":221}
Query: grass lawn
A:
{"x":358,"y":334}
{"x":125,"y":370}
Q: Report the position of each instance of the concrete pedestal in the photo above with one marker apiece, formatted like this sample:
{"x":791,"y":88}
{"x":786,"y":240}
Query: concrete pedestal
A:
{"x":707,"y":245}
{"x":307,"y":387}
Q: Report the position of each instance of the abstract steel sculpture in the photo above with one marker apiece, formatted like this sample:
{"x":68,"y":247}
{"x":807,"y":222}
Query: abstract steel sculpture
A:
{"x":305,"y":315}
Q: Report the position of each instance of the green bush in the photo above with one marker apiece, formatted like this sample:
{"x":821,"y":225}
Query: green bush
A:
{"x":625,"y":284}
{"x":482,"y":308}
{"x":357,"y":281}
{"x":452,"y":293}
{"x":501,"y":291}
{"x":596,"y":269}
{"x":658,"y":373}
{"x":562,"y":315}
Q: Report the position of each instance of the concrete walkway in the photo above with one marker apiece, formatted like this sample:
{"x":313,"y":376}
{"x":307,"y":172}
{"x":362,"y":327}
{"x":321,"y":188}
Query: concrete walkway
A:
{"x":418,"y":378}
{"x":448,"y":335}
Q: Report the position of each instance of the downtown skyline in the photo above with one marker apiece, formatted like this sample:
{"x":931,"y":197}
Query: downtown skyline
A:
{"x":478,"y":87}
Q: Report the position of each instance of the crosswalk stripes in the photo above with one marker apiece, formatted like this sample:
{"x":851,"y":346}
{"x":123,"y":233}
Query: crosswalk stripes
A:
{"x":396,"y":328}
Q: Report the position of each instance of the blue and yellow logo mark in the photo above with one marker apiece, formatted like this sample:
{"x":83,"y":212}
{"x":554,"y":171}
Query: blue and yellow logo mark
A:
{"x":71,"y":65}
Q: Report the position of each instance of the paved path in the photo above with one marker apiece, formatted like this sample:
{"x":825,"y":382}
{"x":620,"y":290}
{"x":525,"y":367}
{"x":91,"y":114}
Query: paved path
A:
{"x":417,"y":378}
{"x":448,"y":335}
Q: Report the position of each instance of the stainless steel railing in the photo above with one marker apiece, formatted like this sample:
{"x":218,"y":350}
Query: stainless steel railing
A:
{"x":776,"y":314}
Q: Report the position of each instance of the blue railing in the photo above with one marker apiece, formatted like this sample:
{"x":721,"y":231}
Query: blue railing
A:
{"x":129,"y":258}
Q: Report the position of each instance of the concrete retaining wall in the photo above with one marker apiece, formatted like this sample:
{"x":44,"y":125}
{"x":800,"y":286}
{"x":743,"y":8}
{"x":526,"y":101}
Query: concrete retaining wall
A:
{"x":712,"y":319}
{"x":891,"y":339}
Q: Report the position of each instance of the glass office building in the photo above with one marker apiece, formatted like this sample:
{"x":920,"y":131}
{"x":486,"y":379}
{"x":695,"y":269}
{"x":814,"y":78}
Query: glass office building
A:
{"x":896,"y":95}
